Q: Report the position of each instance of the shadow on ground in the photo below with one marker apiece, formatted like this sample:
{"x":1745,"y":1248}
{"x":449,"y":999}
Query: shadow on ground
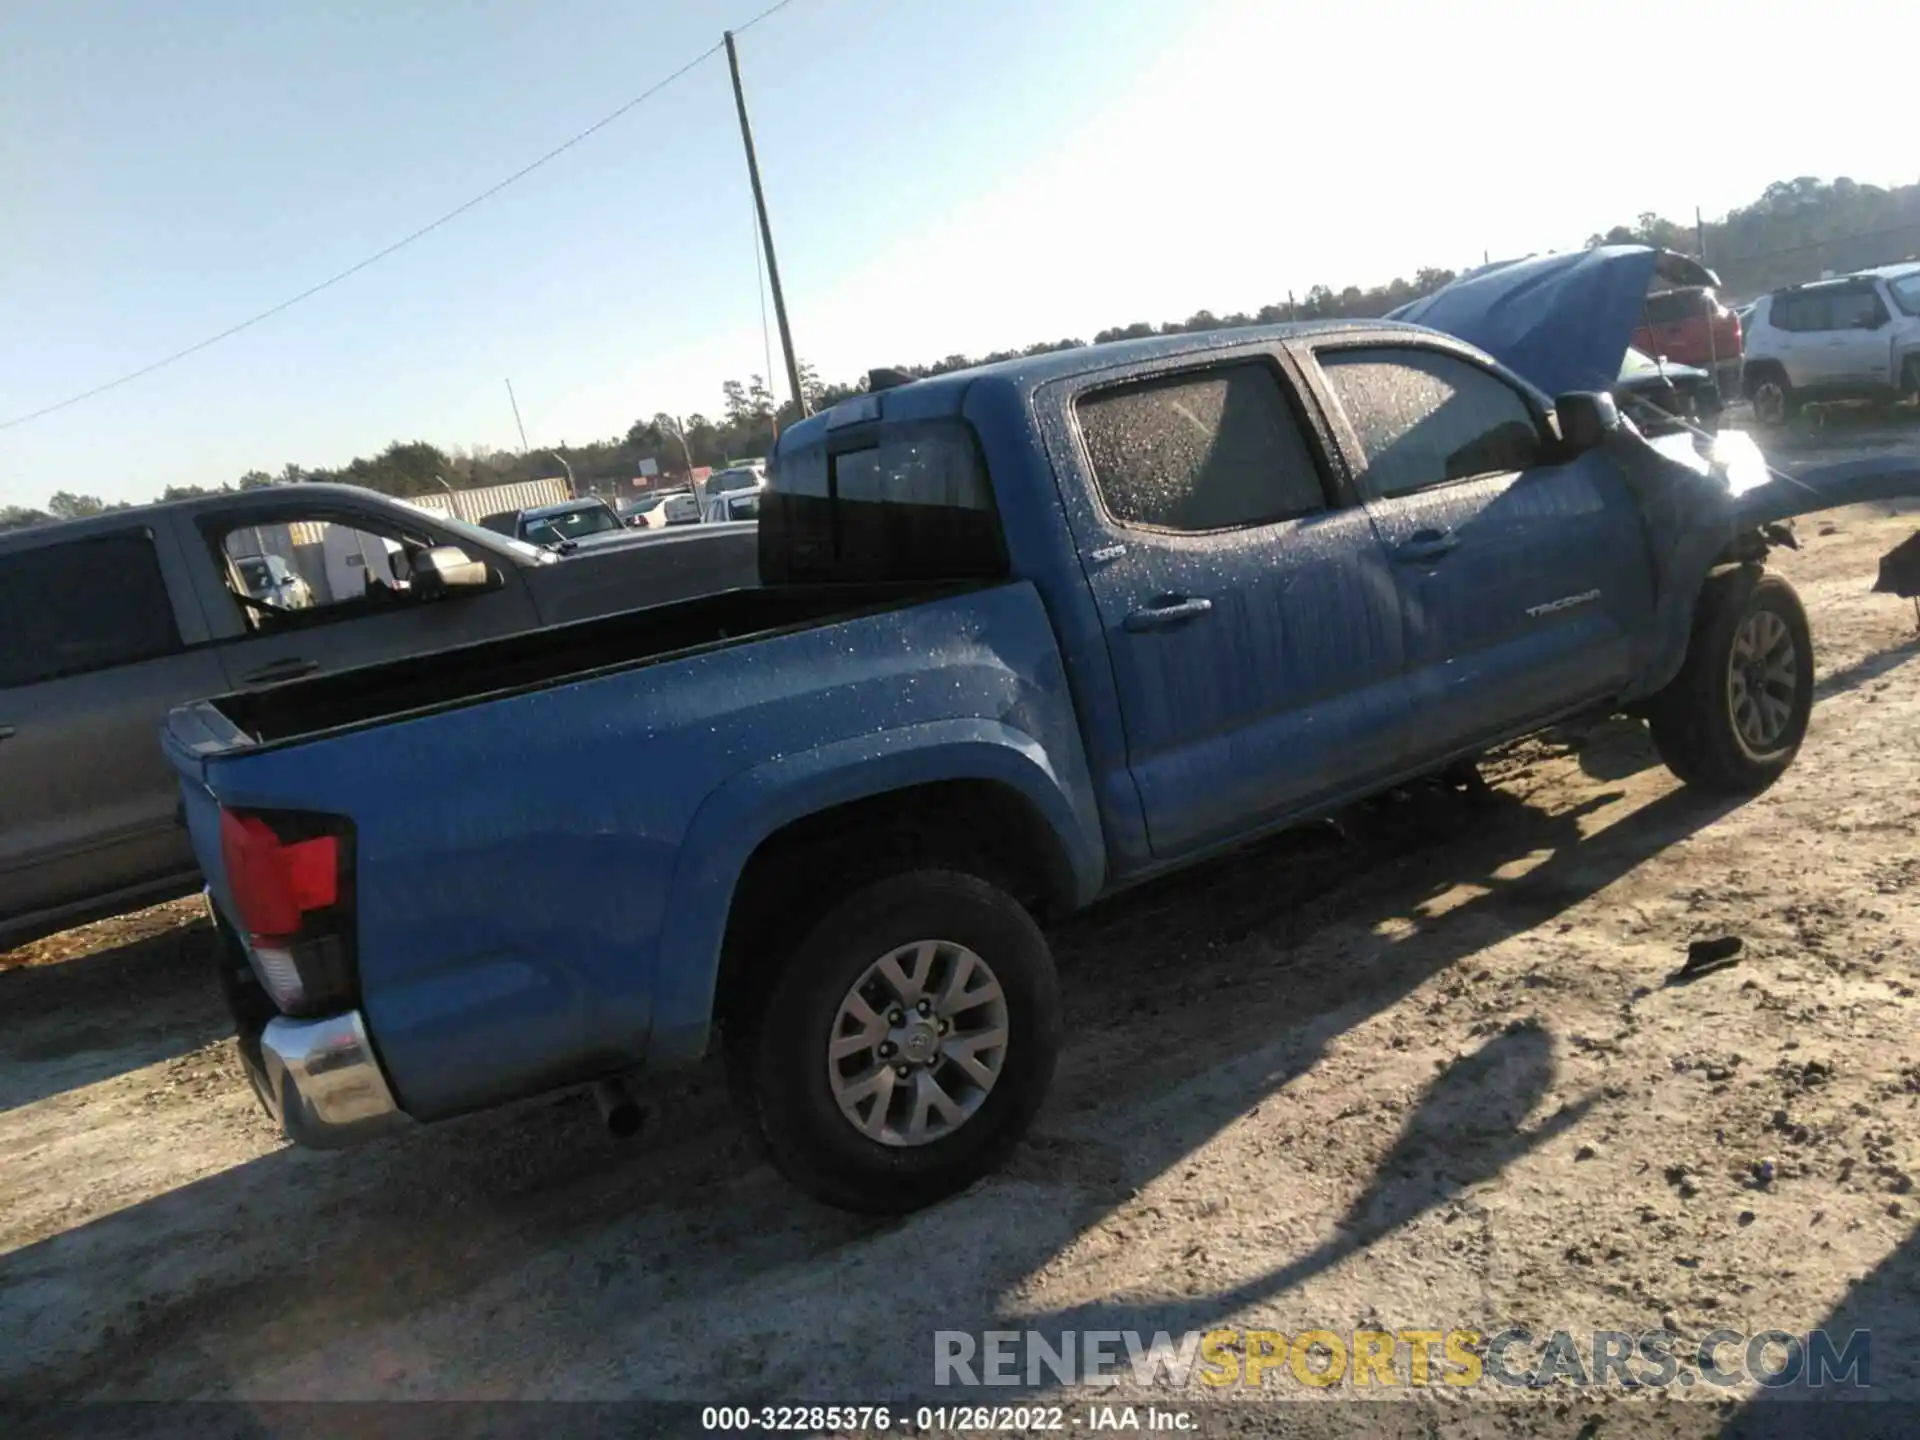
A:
{"x":80,"y":1021}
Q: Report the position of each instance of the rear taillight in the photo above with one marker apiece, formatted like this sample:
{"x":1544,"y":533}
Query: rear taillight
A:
{"x":288,"y":877}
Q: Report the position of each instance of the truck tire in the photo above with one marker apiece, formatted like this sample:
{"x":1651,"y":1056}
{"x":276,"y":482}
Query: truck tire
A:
{"x":905,"y":1046}
{"x":1732,"y":720}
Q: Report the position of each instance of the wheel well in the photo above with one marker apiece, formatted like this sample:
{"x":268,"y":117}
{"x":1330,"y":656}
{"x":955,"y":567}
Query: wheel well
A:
{"x":797,"y":873}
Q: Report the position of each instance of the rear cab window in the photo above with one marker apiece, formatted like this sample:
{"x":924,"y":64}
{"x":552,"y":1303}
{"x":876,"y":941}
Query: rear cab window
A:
{"x":1670,"y":307}
{"x":880,"y":502}
{"x":83,"y":605}
{"x":1197,"y":452}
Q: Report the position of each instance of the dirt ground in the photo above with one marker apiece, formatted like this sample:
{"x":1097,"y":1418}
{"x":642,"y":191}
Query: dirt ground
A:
{"x":1435,"y":1071}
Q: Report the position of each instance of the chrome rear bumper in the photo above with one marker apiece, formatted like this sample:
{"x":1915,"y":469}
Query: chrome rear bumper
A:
{"x":322,"y":1082}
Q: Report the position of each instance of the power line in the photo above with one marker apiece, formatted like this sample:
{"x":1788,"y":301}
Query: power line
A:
{"x":400,"y":244}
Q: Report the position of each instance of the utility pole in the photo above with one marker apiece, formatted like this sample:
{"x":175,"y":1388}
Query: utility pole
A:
{"x":680,"y":434}
{"x":516,"y":418}
{"x":1700,"y":234}
{"x":766,"y":231}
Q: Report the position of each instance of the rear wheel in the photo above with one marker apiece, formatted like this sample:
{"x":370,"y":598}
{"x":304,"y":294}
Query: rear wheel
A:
{"x":1734,"y":717}
{"x":905,"y":1046}
{"x":1774,"y":401}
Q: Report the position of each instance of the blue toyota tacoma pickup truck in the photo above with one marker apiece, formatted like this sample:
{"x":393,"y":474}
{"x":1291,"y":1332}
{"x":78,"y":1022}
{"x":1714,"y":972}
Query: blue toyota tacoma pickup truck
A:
{"x":1027,"y":634}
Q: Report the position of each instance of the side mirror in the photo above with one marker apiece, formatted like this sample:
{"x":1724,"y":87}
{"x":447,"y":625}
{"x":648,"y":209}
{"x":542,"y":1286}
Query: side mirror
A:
{"x":448,"y":570}
{"x":1869,"y":322}
{"x":1586,"y":417}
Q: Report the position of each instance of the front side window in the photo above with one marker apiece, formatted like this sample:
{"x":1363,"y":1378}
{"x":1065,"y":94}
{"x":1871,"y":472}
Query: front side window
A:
{"x":83,"y":605}
{"x":299,"y":571}
{"x":1218,"y":450}
{"x":1425,"y":419}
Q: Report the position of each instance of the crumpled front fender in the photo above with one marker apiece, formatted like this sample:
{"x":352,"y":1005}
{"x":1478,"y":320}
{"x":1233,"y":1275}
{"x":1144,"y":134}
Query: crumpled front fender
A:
{"x":1695,"y":508}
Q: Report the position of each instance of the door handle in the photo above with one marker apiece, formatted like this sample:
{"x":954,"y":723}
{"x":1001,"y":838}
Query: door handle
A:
{"x":7,"y":732}
{"x":1425,"y":545}
{"x":280,"y":670}
{"x":1170,"y":610}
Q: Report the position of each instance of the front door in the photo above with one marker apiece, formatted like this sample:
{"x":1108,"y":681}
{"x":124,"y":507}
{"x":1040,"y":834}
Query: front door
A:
{"x":1248,"y":610}
{"x":1523,"y":579}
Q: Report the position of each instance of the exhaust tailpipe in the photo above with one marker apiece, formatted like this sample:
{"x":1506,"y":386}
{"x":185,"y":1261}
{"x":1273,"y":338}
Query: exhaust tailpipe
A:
{"x":619,"y":1111}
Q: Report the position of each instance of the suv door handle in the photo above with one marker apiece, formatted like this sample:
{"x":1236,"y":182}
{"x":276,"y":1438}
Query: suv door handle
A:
{"x":7,"y":732}
{"x":1168,"y":610}
{"x":289,"y":669}
{"x":1425,"y":545}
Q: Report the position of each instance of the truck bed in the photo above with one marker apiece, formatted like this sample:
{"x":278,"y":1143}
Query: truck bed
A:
{"x":466,"y":674}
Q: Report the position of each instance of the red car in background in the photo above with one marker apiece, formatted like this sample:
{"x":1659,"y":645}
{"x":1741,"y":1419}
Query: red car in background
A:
{"x":1691,"y":327}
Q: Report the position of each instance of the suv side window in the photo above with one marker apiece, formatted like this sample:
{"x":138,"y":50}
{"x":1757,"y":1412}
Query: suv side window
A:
{"x":1424,"y":418}
{"x":83,"y":605}
{"x":1219,"y":449}
{"x":332,"y":571}
{"x":1856,"y":310}
{"x":1801,"y":312}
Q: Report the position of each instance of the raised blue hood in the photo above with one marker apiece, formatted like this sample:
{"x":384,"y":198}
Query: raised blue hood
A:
{"x":1562,"y":322}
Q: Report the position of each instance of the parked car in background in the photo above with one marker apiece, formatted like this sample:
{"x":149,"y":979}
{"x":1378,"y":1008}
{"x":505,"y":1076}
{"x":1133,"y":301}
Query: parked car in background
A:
{"x":733,"y":479}
{"x":588,"y":520}
{"x":107,"y":623}
{"x":268,"y":579}
{"x":1855,"y":337}
{"x":1661,"y":397}
{"x":665,"y":508}
{"x":1689,"y":326}
{"x":740,"y":505}
{"x":1028,"y":634}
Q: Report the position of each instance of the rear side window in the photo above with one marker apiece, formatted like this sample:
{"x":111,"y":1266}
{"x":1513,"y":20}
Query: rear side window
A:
{"x":1853,"y":309}
{"x":1219,"y":450}
{"x":1804,"y":311}
{"x":908,"y":501}
{"x":1425,"y":419}
{"x":85,"y":605}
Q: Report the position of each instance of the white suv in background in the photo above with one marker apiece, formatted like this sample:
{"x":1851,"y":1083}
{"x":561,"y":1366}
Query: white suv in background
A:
{"x":1852,"y":338}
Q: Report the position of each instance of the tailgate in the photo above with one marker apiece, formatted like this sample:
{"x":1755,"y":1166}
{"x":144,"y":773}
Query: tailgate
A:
{"x":193,"y":736}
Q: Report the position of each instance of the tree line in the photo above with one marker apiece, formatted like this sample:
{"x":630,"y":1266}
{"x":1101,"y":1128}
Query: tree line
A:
{"x":1796,"y":230}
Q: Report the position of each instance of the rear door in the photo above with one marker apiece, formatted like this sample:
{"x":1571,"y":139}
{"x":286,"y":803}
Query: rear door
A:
{"x":1812,"y":347}
{"x":1862,"y":341}
{"x":1247,"y":606}
{"x":361,"y":607}
{"x":1523,"y":581}
{"x":93,"y":653}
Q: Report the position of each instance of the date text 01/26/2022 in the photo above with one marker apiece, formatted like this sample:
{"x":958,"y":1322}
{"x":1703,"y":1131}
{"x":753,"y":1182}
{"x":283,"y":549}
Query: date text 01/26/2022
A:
{"x":942,"y":1419}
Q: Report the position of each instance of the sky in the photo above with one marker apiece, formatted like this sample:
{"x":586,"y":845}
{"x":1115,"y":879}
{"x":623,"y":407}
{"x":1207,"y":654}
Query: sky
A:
{"x":942,"y":177}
